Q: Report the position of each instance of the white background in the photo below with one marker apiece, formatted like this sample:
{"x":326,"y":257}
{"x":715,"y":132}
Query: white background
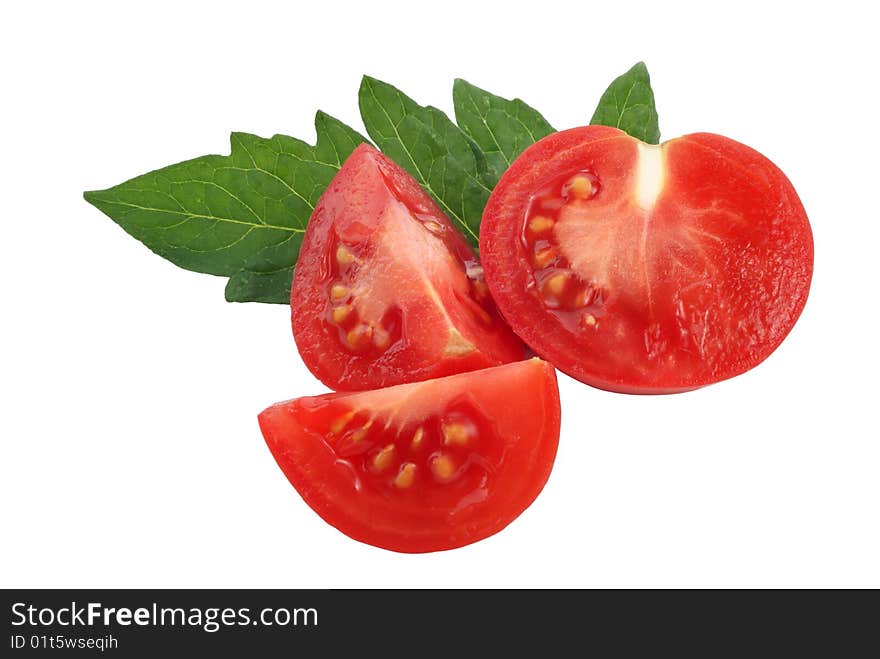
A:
{"x":131,"y":454}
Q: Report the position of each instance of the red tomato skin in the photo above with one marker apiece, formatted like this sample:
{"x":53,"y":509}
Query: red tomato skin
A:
{"x":529,"y":418}
{"x":352,"y":206}
{"x":689,"y":160}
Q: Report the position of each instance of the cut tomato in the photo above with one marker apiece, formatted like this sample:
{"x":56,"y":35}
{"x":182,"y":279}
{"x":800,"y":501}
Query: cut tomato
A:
{"x":425,"y":466}
{"x":647,"y":269}
{"x":386,"y":290}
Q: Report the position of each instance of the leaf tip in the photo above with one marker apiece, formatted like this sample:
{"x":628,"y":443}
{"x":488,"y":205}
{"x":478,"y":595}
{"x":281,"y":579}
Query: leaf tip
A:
{"x":230,"y":294}
{"x":239,"y":140}
{"x":324,"y":120}
{"x":321,"y":122}
{"x":461,"y":87}
{"x":641,"y":69}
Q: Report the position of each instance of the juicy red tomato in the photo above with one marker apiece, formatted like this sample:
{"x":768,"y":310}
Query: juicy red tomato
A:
{"x":386,"y":290}
{"x":425,"y":466}
{"x":647,"y":269}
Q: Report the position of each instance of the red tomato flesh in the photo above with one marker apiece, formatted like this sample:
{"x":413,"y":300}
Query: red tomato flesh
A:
{"x":386,"y":290}
{"x":425,"y":466}
{"x":647,"y":269}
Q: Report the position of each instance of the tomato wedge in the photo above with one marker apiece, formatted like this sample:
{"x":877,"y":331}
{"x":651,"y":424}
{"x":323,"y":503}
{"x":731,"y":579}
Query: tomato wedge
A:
{"x":425,"y":466}
{"x":386,"y":290}
{"x":647,"y":269}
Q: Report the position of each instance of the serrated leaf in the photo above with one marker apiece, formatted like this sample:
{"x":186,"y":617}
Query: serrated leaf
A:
{"x":628,"y":104}
{"x":242,"y":215}
{"x":267,"y":275}
{"x":424,"y":141}
{"x":500,"y":127}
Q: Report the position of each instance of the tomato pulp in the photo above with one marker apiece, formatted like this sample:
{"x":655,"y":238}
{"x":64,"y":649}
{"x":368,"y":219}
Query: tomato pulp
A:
{"x":425,"y":466}
{"x":386,"y":290}
{"x":647,"y":269}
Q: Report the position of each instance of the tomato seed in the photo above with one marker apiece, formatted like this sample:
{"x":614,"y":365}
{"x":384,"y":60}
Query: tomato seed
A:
{"x":383,"y":459}
{"x":381,"y":338}
{"x":555,"y":284}
{"x":442,"y":466}
{"x":359,"y":336}
{"x":340,"y":422}
{"x":361,"y":432}
{"x":343,"y":256}
{"x":540,"y":224}
{"x":456,"y":434}
{"x":434,"y":227}
{"x":341,"y":313}
{"x":578,"y":186}
{"x":406,"y":476}
{"x":417,"y":437}
{"x":338,"y":291}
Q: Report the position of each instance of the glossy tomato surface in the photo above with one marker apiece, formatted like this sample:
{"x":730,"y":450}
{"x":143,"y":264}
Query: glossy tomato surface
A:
{"x":386,"y":290}
{"x":647,"y":269}
{"x":425,"y":466}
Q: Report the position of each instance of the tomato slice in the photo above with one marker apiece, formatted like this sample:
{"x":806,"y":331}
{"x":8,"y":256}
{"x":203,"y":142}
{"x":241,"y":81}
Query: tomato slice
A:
{"x":647,"y":269}
{"x":425,"y":466}
{"x":386,"y":290}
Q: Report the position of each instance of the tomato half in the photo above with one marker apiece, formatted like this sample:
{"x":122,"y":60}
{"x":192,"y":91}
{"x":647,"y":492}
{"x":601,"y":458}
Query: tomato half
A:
{"x":425,"y":466}
{"x":647,"y":269}
{"x":386,"y":290}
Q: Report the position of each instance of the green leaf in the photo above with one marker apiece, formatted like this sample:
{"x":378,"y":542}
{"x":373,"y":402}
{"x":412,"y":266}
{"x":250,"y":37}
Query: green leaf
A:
{"x":429,"y":146}
{"x":242,"y":216}
{"x":267,"y":275}
{"x":501,"y":128}
{"x":628,"y":104}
